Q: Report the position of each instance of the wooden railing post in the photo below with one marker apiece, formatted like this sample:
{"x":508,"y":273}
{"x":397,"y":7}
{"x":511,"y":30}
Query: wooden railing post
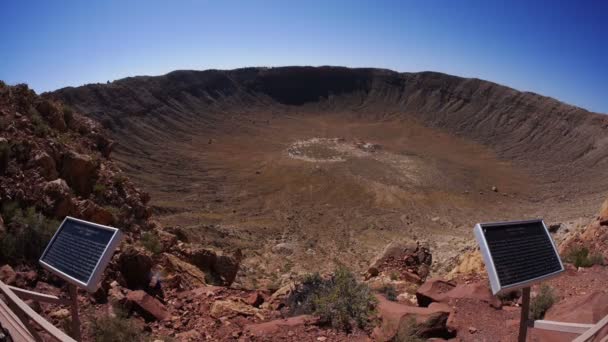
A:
{"x":74,"y":309}
{"x":525,"y":312}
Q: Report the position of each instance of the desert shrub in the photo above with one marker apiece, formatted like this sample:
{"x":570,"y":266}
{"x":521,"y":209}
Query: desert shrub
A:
{"x":5,"y":155}
{"x":110,"y":329}
{"x":389,"y":292}
{"x":28,"y":235}
{"x":542,"y":302}
{"x":150,"y":242}
{"x":340,"y":301}
{"x":68,"y":114}
{"x":509,"y":296}
{"x":40,"y":127}
{"x":9,"y":209}
{"x":581,"y":257}
{"x":99,"y":189}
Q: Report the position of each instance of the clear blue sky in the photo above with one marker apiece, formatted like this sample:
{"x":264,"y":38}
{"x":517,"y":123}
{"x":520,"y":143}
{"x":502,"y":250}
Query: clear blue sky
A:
{"x":555,"y":48}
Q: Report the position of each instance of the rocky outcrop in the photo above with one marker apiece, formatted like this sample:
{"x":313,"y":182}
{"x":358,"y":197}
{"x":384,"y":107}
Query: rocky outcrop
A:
{"x":58,"y":199}
{"x":135,"y":266}
{"x":189,"y":275}
{"x":229,"y":308}
{"x":470,"y":263}
{"x":80,"y":172}
{"x":46,"y":164}
{"x":223,"y":268}
{"x":594,"y":237}
{"x":406,"y":260}
{"x":90,"y":211}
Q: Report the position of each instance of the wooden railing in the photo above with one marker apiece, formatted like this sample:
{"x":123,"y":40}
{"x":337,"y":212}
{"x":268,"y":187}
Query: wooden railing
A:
{"x":21,"y":320}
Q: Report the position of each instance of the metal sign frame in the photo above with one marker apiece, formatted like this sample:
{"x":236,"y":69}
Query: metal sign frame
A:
{"x":497,"y":287}
{"x":94,"y":279}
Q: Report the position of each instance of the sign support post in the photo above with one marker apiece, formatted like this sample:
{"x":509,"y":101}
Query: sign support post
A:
{"x":74,"y":308}
{"x":525,"y":312}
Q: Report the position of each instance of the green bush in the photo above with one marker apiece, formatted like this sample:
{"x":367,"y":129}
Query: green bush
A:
{"x":389,"y":292}
{"x":340,"y":301}
{"x":99,"y":189}
{"x":40,"y":127}
{"x":5,"y":156}
{"x":542,"y":302}
{"x":150,"y":242}
{"x":120,"y":328}
{"x":581,"y":257}
{"x":68,"y":114}
{"x":28,"y":234}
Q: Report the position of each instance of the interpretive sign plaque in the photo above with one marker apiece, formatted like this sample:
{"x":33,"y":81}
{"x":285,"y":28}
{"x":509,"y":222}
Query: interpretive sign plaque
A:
{"x":80,"y":251}
{"x":517,"y":254}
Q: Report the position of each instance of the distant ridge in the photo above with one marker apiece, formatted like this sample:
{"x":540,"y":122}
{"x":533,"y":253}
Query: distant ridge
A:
{"x":516,"y":124}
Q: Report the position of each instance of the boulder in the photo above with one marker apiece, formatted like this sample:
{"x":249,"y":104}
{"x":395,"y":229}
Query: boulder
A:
{"x":149,"y":307}
{"x":407,"y":260}
{"x":433,"y":290}
{"x":90,"y":211}
{"x":441,"y":291}
{"x":80,"y":172}
{"x":283,"y":248}
{"x":58,"y":198}
{"x":135,"y":265}
{"x":229,"y":308}
{"x":272,"y":327}
{"x":222,"y":267}
{"x":46,"y":164}
{"x":8,"y":275}
{"x":189,"y":274}
{"x":430,"y":322}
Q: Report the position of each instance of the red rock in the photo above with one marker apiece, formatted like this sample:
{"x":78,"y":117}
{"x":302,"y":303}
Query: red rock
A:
{"x":272,"y":327}
{"x":149,"y":307}
{"x":392,"y":315}
{"x":90,"y":211}
{"x":255,"y":299}
{"x":8,"y":275}
{"x":433,"y":290}
{"x":437,"y":290}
